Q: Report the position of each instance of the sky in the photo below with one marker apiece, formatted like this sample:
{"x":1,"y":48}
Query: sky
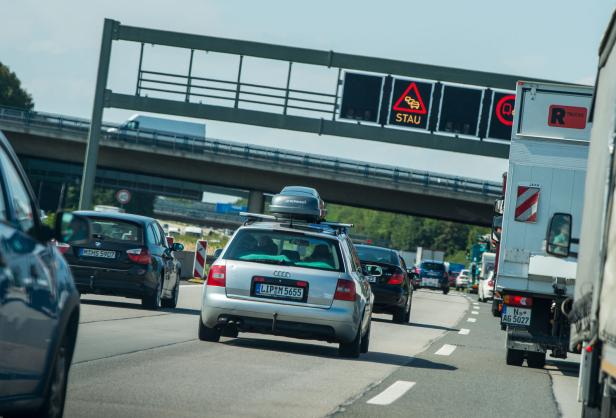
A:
{"x":53,"y":47}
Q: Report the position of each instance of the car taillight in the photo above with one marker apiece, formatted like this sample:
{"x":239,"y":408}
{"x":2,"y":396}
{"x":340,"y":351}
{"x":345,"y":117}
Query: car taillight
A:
{"x":490,"y":283}
{"x":218,"y":276}
{"x":396,"y":278}
{"x":139,"y":255}
{"x":515,"y":300}
{"x":345,"y":290}
{"x":62,"y":247}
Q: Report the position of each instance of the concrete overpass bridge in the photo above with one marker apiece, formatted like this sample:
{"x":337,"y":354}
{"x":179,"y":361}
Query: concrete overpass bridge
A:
{"x":168,"y":158}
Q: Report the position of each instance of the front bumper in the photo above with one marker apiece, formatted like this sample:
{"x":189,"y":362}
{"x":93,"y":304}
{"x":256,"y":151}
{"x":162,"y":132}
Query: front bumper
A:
{"x":338,"y":323}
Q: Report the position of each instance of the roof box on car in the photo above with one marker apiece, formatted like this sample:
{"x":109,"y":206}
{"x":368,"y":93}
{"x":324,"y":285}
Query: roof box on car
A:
{"x":297,"y":202}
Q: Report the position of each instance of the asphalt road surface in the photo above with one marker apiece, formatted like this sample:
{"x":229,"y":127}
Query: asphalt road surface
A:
{"x":132,"y":362}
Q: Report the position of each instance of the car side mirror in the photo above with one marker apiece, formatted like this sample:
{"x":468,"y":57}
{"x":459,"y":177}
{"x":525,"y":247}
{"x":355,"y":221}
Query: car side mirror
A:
{"x":71,"y":228}
{"x":558,"y":239}
{"x":177,"y":246}
{"x":217,"y":253}
{"x":497,"y":226}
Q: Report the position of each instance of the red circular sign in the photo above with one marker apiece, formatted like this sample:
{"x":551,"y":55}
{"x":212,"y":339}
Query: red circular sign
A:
{"x":504,"y":109}
{"x":123,"y":196}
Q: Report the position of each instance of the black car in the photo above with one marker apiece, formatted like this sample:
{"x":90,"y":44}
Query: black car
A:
{"x":387,"y":274}
{"x":433,"y":275}
{"x":39,"y":305}
{"x":127,"y":255}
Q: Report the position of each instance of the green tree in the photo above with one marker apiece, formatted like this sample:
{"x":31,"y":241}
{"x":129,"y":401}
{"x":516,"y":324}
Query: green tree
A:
{"x":11,"y":92}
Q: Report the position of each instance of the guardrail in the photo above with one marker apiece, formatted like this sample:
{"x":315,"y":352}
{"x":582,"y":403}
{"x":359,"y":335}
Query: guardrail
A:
{"x":167,"y":140}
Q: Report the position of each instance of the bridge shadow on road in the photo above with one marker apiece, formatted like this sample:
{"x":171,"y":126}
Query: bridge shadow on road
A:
{"x":415,"y":324}
{"x":332,"y":353}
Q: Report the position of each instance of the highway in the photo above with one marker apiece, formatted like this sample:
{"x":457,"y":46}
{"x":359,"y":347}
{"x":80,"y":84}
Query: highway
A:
{"x":130,"y":362}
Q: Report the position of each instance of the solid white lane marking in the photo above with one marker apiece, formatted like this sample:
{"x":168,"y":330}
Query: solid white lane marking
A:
{"x":445,"y":350}
{"x":475,"y":312}
{"x":472,"y":319}
{"x":464,"y":331}
{"x":392,"y":393}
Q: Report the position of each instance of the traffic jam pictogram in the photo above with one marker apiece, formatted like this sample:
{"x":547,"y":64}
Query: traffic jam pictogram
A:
{"x":410,"y":103}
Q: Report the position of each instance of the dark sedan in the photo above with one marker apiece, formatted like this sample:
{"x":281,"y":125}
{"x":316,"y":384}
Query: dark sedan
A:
{"x":128,"y":256}
{"x":387,"y":274}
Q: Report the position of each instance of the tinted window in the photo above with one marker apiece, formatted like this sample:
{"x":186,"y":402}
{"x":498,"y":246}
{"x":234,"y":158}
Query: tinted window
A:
{"x":432,"y":266}
{"x":377,"y":255}
{"x":285,"y":248}
{"x":116,"y":230}
{"x":24,"y":214}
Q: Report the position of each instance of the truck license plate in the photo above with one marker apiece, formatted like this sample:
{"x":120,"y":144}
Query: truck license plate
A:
{"x":516,"y":316}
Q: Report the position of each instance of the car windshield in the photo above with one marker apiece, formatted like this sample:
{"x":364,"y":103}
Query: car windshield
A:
{"x":116,"y":230}
{"x":376,"y":255}
{"x":432,"y":266}
{"x":285,"y":248}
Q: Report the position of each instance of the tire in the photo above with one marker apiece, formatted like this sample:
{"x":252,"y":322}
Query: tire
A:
{"x":154,"y":300}
{"x":208,"y":334}
{"x":535,"y":360}
{"x":515,"y":357}
{"x":365,"y":341}
{"x":407,"y":317}
{"x":352,"y":349}
{"x":53,"y":406}
{"x":402,"y":315}
{"x":172,"y":302}
{"x":445,"y":290}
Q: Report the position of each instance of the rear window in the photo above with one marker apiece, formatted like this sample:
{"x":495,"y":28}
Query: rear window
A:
{"x":377,"y":255}
{"x":285,"y":248}
{"x":116,"y":230}
{"x":432,"y":266}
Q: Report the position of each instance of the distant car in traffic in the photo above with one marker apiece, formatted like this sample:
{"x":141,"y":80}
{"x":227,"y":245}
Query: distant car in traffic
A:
{"x":433,"y":275}
{"x":39,"y":304}
{"x":127,"y":255}
{"x":453,"y":269}
{"x":462,"y":280}
{"x":292,"y":275}
{"x":485,"y":290}
{"x":387,"y":275}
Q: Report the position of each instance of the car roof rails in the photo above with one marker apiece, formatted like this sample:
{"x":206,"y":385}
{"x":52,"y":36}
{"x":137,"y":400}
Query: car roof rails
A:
{"x":341,"y":228}
{"x":256,"y":217}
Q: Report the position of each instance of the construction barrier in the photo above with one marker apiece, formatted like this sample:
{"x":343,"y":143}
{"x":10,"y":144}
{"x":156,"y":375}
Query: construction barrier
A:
{"x":200,"y":257}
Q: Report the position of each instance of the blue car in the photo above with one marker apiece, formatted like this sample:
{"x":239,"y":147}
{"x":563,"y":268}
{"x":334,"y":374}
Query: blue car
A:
{"x":39,"y":304}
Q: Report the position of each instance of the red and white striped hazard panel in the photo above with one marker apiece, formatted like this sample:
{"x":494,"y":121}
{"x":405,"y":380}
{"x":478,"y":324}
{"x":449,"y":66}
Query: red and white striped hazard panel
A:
{"x":526,"y":204}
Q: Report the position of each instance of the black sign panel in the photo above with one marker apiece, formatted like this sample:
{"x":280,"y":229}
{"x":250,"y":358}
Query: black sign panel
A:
{"x":460,"y":110}
{"x":501,"y":118}
{"x":410,"y":104}
{"x":361,"y":97}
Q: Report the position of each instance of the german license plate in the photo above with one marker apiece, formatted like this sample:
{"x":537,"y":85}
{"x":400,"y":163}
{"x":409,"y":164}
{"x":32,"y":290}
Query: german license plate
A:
{"x":277,"y":291}
{"x":427,"y":282}
{"x":516,"y":316}
{"x":91,"y":252}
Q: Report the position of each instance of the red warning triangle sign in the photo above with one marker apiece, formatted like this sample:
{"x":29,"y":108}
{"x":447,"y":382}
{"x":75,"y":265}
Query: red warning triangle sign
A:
{"x":410,"y":101}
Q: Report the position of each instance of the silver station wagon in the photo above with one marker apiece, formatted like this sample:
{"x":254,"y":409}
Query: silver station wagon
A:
{"x":290,"y":274}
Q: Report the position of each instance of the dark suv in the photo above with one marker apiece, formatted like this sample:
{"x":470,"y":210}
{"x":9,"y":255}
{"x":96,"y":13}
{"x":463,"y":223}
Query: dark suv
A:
{"x":127,"y":256}
{"x":39,"y":305}
{"x":388,"y":277}
{"x":433,"y":275}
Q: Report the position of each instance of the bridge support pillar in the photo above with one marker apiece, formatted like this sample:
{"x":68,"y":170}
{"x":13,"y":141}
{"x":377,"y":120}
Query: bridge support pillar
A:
{"x":256,"y":202}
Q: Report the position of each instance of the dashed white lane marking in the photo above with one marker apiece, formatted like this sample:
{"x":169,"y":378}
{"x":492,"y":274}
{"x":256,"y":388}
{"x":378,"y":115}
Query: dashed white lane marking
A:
{"x":475,"y":312}
{"x":472,"y":319}
{"x":464,"y":331}
{"x":445,"y":350}
{"x":392,"y":393}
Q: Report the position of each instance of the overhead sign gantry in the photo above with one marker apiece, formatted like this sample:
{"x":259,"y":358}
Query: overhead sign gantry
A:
{"x":380,"y":99}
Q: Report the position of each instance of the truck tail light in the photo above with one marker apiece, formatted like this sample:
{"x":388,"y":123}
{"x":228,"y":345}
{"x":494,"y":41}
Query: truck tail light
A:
{"x":396,"y":279}
{"x":218,"y":276}
{"x":516,"y":300}
{"x":139,"y":255}
{"x":62,"y":247}
{"x":345,"y":290}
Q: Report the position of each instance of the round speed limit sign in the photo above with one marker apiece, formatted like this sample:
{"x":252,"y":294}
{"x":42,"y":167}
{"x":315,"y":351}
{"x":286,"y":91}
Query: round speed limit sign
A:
{"x":123,"y":196}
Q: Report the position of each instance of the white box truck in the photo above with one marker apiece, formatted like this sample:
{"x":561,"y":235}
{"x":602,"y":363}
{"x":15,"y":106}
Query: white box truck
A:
{"x":593,"y":313}
{"x":545,"y":188}
{"x":150,"y":126}
{"x":426,"y":254}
